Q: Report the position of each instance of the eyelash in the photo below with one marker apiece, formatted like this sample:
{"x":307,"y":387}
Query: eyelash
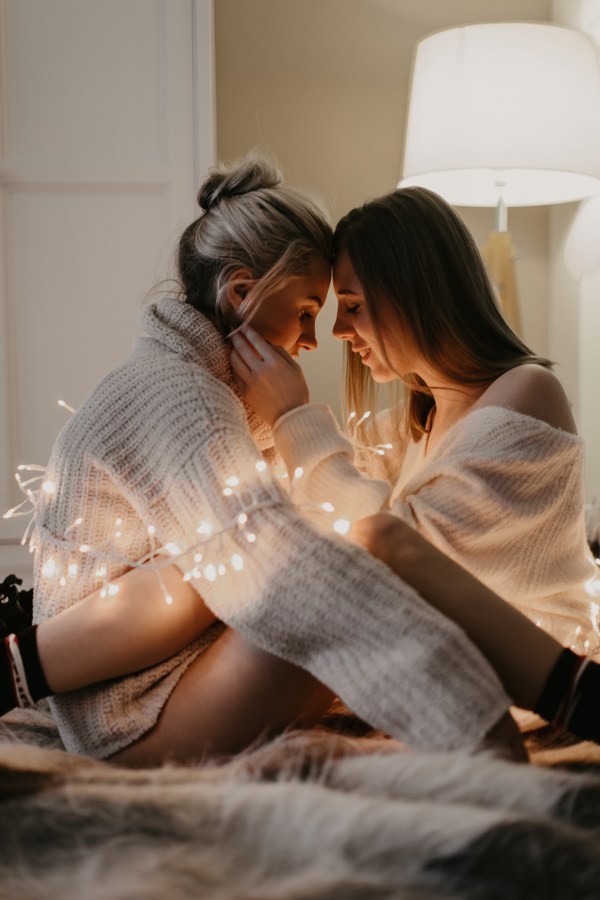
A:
{"x":354,"y":308}
{"x":305,"y":314}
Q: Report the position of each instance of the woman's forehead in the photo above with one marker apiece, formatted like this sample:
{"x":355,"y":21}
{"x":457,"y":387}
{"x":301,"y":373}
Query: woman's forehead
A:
{"x":345,"y":279}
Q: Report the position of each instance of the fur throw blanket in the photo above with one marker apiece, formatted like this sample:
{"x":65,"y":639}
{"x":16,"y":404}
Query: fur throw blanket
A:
{"x":311,"y":815}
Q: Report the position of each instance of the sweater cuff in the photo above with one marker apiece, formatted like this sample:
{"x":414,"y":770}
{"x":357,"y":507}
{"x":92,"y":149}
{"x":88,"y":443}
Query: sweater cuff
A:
{"x":308,"y":433}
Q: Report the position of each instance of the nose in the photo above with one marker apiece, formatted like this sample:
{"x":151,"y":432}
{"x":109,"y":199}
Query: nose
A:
{"x":342,"y":327}
{"x":308,"y":338}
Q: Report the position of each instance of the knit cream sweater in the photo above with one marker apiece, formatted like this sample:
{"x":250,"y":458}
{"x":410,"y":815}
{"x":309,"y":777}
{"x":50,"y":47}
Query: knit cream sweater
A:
{"x":502,"y":494}
{"x":164,"y":454}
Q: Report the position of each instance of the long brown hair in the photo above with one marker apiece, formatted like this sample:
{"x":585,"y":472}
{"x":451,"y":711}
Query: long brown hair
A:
{"x":418,"y":263}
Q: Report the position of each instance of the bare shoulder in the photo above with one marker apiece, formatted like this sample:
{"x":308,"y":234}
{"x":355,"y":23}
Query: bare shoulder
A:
{"x":535,"y":391}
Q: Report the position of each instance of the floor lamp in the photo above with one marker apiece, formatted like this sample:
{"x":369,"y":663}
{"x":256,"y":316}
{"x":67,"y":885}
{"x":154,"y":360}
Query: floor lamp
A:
{"x":504,"y":115}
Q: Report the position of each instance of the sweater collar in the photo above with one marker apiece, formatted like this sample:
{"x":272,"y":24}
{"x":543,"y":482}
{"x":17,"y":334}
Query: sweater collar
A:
{"x":189,"y":333}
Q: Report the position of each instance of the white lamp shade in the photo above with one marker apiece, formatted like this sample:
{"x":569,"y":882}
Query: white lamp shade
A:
{"x":508,"y":109}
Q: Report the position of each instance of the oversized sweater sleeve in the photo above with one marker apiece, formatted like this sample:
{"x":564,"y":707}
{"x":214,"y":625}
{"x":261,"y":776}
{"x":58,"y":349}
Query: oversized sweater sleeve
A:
{"x":309,"y":440}
{"x":316,"y":601}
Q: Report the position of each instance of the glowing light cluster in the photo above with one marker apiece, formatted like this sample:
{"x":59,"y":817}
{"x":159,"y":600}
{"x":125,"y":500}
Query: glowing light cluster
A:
{"x":39,"y":488}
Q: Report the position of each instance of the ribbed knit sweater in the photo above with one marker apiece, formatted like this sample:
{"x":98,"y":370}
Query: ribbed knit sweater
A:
{"x":502,"y":494}
{"x":165,"y":443}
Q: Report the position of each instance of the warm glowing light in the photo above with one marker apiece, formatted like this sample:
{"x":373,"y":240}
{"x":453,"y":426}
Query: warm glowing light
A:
{"x":250,"y":537}
{"x":222,"y":569}
{"x":342,"y":526}
{"x":227,"y":492}
{"x":65,"y":406}
{"x":101,"y":572}
{"x":173,"y":549}
{"x":198,"y":557}
{"x":49,"y":487}
{"x":151,"y":530}
{"x":85,"y":548}
{"x":113,"y":589}
{"x":50,"y":569}
{"x":232,"y":481}
{"x":73,"y":569}
{"x":237,"y":562}
{"x":204,"y":528}
{"x":242,"y":519}
{"x":298,"y":472}
{"x":592,"y":586}
{"x":261,"y":466}
{"x":210,"y":572}
{"x":328,"y":507}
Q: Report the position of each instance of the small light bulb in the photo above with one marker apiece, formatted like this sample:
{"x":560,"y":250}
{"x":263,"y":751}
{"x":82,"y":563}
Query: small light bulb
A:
{"x":342,"y":526}
{"x":261,"y":466}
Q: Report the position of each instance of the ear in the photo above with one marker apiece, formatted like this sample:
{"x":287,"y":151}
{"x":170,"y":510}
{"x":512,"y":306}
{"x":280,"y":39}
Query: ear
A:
{"x":238,"y":286}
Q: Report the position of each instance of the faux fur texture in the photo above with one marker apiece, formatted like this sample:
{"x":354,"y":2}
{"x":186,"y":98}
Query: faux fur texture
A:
{"x":312,"y":815}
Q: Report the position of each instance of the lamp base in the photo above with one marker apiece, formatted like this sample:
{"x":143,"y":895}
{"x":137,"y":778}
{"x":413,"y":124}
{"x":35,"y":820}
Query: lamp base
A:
{"x":498,"y":256}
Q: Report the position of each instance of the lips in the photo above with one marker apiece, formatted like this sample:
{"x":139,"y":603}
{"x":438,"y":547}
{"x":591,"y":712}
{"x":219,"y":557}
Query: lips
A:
{"x":363,"y":352}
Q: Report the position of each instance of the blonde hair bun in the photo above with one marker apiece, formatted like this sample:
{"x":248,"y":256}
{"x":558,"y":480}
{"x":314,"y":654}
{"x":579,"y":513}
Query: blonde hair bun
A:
{"x":227,"y":181}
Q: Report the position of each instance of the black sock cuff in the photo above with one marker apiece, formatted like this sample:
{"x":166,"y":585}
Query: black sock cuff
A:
{"x":36,"y":680}
{"x":7,"y":688}
{"x":557,"y":685}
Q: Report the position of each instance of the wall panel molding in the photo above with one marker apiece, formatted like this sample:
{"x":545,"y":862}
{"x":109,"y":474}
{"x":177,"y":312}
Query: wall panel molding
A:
{"x":102,"y":146}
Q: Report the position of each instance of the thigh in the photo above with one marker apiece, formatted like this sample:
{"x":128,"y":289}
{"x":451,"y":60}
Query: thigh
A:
{"x":231,"y":696}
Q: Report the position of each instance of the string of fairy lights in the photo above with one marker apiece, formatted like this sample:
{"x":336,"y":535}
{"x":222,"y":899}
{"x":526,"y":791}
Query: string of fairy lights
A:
{"x":204,"y":560}
{"x":205,"y":552}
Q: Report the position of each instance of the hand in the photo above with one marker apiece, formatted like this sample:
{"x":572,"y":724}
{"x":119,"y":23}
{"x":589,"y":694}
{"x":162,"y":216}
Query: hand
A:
{"x":384,"y":535}
{"x":270,"y":381}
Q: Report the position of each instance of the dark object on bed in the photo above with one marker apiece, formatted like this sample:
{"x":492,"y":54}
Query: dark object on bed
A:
{"x":15,"y":606}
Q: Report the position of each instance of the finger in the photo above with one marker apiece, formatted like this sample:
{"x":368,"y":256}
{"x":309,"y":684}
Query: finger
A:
{"x":257,"y":341}
{"x":268,"y":351}
{"x":240,"y":369}
{"x":246,"y":350}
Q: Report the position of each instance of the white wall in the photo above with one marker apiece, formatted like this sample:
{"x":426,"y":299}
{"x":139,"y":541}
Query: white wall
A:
{"x":107,"y":124}
{"x":575,"y":320}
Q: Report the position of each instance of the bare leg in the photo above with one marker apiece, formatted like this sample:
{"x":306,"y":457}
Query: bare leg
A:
{"x":520,"y":652}
{"x":231,"y":696}
{"x":104,"y":637}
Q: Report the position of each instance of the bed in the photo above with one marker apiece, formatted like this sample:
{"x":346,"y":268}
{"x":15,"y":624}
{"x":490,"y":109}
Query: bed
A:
{"x":336,"y":812}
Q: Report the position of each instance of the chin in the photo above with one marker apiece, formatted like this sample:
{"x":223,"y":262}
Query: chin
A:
{"x":383,"y":377}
